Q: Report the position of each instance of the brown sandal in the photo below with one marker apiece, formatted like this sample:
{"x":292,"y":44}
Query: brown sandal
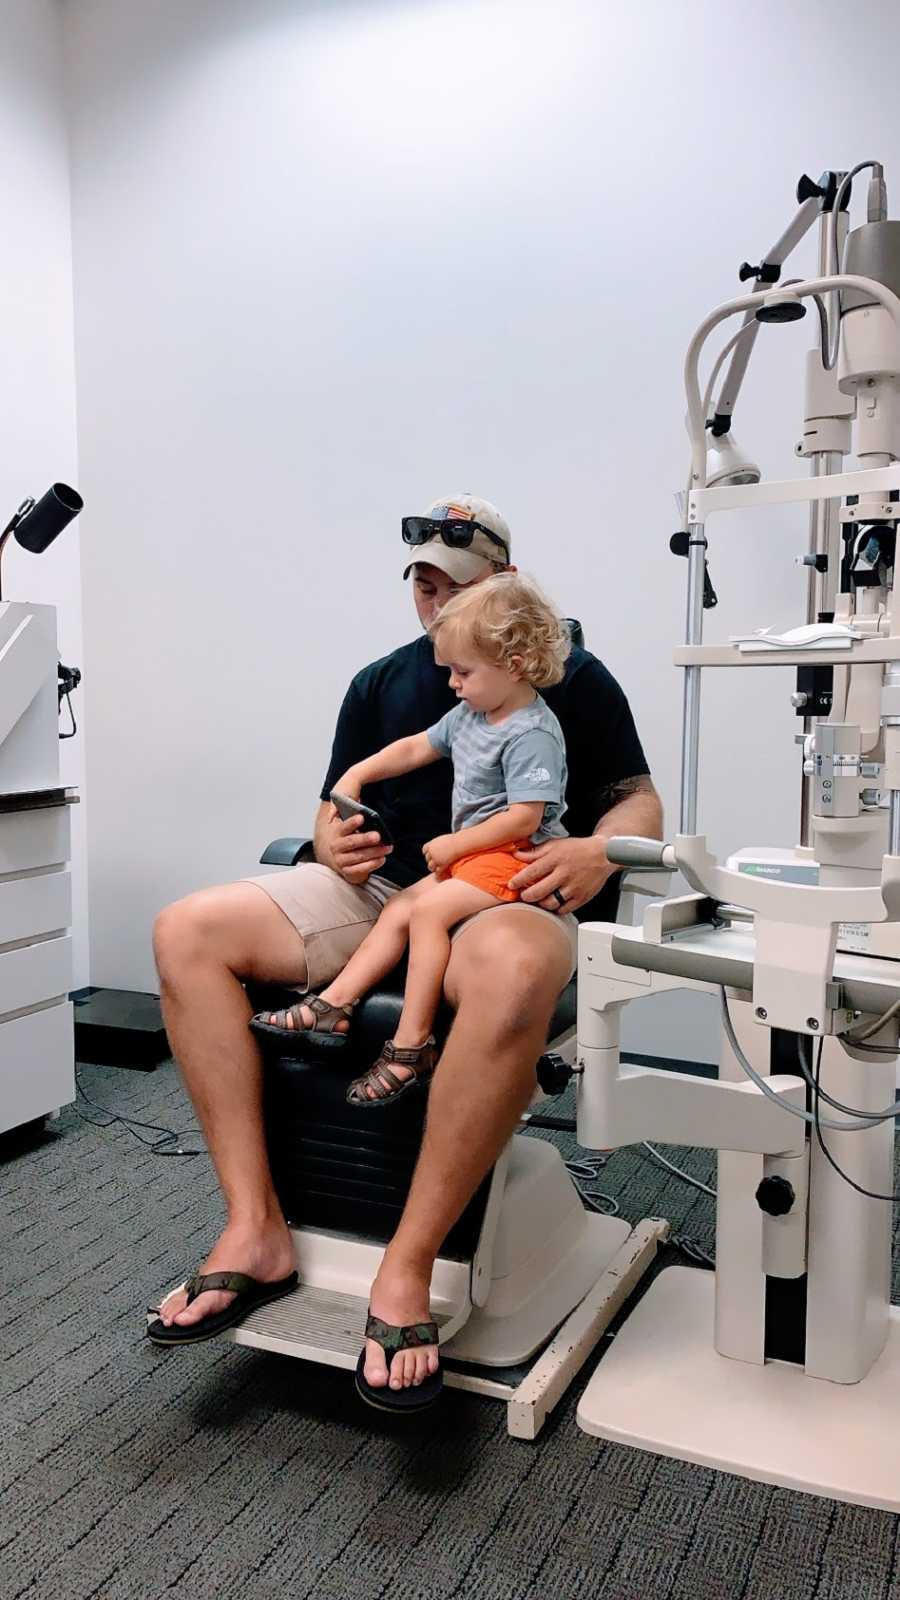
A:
{"x":421,"y":1059}
{"x":324,"y":1030}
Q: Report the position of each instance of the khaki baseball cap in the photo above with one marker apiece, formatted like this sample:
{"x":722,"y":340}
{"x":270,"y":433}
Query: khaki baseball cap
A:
{"x":474,"y":561}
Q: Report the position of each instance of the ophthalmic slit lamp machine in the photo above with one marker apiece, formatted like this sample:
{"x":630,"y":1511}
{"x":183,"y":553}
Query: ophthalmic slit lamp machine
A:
{"x":784,"y":1364}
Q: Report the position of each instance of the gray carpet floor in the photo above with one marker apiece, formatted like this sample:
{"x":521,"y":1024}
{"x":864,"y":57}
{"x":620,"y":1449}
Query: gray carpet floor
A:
{"x":127,"y":1473}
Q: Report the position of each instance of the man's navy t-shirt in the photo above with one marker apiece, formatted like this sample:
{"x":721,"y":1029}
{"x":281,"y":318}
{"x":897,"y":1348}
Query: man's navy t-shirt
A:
{"x":405,"y":693}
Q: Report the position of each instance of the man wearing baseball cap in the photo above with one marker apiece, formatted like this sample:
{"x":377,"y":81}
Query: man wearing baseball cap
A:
{"x":300,"y":926}
{"x":461,"y":534}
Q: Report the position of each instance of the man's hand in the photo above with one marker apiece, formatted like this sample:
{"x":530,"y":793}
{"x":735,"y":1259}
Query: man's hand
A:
{"x":354,"y":855}
{"x":440,"y":853}
{"x":578,"y":868}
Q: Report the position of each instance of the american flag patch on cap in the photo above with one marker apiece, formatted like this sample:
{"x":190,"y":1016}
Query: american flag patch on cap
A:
{"x":441,"y":513}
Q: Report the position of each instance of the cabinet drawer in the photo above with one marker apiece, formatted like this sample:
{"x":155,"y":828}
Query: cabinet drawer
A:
{"x":37,"y":1065}
{"x":34,"y":839}
{"x":35,"y":973}
{"x":32,"y":906}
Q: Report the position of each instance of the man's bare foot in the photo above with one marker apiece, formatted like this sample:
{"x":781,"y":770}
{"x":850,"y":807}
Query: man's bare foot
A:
{"x":400,"y":1298}
{"x":266,"y":1254}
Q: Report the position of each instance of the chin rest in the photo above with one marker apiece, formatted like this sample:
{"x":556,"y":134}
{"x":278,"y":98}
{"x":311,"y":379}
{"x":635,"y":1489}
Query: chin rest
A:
{"x":343,"y":1167}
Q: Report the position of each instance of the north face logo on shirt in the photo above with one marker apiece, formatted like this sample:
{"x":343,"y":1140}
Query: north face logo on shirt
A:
{"x":537,"y":775}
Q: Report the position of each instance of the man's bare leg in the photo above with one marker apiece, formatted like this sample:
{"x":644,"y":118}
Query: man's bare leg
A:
{"x":483,"y":1083}
{"x":202,"y":943}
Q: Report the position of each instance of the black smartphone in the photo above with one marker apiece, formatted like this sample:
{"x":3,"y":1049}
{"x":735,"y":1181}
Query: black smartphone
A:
{"x":372,"y":822}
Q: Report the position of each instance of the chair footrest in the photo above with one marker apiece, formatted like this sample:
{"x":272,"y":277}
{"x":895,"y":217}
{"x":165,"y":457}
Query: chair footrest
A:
{"x":313,"y":1323}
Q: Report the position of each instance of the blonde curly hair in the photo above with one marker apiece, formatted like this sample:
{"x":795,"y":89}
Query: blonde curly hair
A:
{"x":511,"y":623}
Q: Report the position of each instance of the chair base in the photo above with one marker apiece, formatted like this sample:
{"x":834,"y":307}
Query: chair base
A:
{"x":557,"y":1268}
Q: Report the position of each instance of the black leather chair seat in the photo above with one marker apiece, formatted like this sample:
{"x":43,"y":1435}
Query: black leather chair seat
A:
{"x":347,"y":1167}
{"x":376,"y":1018}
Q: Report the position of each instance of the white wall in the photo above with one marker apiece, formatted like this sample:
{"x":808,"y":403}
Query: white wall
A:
{"x":334,"y":259}
{"x":37,"y":395}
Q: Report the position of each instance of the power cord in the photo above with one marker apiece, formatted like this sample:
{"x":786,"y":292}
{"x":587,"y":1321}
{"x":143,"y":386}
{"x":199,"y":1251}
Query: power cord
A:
{"x":890,"y":1199}
{"x":680,"y":1241}
{"x":866,"y":1032}
{"x":814,"y":1117}
{"x":588,"y":1170}
{"x":131,"y":1124}
{"x":809,"y":1117}
{"x":830,"y":348}
{"x":671,"y":1167}
{"x":691,"y":1250}
{"x":887,"y":1115}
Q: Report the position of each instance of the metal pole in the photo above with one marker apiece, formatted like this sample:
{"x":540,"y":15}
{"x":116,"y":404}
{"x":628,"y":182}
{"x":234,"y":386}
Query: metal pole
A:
{"x":824,"y":527}
{"x":894,"y":847}
{"x":823,"y":541}
{"x":690,"y":728}
{"x":824,"y":524}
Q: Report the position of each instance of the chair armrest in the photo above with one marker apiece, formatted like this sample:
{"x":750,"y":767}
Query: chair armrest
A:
{"x":287,"y":852}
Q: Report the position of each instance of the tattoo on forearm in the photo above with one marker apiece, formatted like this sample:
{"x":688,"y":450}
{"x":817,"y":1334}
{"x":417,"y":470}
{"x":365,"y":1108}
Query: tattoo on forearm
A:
{"x":614,"y":793}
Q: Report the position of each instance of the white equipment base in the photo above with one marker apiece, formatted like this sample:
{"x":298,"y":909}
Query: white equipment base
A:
{"x":663,"y":1387}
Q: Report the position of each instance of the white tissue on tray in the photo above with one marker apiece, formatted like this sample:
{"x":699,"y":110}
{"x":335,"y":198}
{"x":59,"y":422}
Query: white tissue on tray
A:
{"x":813,"y":636}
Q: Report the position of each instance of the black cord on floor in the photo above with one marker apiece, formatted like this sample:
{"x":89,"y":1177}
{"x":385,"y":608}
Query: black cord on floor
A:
{"x":131,"y":1124}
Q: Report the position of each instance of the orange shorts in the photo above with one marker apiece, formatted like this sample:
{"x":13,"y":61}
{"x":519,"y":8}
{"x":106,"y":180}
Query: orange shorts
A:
{"x":491,"y":870}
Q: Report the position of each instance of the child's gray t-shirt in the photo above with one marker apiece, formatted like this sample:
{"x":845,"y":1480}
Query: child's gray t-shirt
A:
{"x":499,"y":764}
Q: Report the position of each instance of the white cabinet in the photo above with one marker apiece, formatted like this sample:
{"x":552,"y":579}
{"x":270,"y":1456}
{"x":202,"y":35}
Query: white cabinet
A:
{"x":37,"y":1059}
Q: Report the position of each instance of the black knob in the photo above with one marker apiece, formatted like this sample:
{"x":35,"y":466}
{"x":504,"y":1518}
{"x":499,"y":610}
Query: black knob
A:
{"x":553,"y":1073}
{"x":808,"y":189}
{"x":765,"y":272}
{"x":775,"y":1196}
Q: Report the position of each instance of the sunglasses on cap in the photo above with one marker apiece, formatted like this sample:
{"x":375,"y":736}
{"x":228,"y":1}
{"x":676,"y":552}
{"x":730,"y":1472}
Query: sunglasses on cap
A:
{"x":457,"y":532}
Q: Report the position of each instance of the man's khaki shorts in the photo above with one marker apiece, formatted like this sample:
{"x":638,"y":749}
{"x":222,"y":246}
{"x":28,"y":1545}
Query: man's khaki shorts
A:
{"x":333,"y":916}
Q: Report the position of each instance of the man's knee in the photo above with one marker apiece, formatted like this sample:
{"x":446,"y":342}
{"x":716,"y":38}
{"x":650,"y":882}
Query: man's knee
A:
{"x":181,"y":932}
{"x":513,"y":975}
{"x":235,"y":926}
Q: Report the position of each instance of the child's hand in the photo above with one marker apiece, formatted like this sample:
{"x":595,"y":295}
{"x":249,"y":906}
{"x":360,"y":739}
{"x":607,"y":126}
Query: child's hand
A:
{"x":349,"y":785}
{"x":440,"y":853}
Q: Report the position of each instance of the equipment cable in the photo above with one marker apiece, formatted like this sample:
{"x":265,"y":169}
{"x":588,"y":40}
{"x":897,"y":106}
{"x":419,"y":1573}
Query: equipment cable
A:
{"x":131,"y":1124}
{"x":829,"y":349}
{"x":670,"y":1165}
{"x":808,"y":1117}
{"x":871,"y":1194}
{"x":887,"y":1115}
{"x":588,"y":1170}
